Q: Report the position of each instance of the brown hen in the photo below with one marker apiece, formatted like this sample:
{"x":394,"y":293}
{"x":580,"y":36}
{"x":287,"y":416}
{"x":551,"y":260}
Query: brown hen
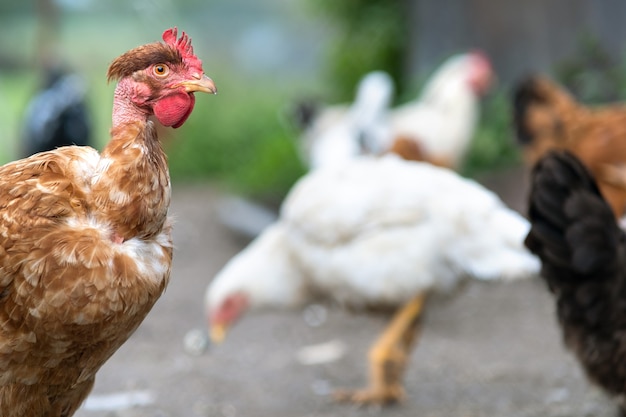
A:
{"x":547,"y":117}
{"x":85,"y":240}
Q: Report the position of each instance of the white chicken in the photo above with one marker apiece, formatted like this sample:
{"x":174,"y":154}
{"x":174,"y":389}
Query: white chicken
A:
{"x":436,"y":127}
{"x":443,"y":119}
{"x":374,"y":232}
{"x":339,"y":133}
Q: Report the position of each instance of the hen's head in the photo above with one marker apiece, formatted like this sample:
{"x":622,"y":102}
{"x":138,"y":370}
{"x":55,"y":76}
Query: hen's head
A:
{"x":161,"y":78}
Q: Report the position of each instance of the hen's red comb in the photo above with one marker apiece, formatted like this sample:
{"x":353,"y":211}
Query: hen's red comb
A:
{"x":183,"y":45}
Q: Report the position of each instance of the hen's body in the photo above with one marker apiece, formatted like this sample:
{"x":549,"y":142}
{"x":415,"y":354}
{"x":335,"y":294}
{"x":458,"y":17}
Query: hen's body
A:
{"x":583,"y":253}
{"x":547,"y":117}
{"x":85,"y":241}
{"x":82,"y":262}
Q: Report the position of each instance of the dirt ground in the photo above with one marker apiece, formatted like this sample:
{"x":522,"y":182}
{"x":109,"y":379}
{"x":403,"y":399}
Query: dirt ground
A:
{"x":492,"y":350}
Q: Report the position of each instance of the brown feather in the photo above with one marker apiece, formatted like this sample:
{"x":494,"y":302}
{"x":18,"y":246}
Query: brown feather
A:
{"x":410,"y":149}
{"x":71,"y":295}
{"x":547,"y":118}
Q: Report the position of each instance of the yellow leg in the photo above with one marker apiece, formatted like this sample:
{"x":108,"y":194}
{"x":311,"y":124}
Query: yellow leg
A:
{"x":388,"y":358}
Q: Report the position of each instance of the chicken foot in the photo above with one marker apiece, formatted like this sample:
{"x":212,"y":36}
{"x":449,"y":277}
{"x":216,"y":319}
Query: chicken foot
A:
{"x":388,"y":358}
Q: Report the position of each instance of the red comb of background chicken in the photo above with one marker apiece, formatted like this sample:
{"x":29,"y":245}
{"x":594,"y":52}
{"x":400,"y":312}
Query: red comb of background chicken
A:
{"x":183,"y":45}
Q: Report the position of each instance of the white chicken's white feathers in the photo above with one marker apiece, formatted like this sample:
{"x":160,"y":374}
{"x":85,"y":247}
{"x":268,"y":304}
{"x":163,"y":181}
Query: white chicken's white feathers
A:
{"x":378,"y":231}
{"x":443,"y":118}
{"x":265,"y":269}
{"x":342,"y":133}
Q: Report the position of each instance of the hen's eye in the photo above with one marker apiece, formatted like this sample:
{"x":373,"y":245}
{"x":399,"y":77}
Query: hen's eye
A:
{"x":161,"y":70}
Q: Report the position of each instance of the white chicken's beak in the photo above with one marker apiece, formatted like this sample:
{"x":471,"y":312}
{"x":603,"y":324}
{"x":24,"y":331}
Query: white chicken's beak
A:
{"x":203,"y":84}
{"x":217,"y":333}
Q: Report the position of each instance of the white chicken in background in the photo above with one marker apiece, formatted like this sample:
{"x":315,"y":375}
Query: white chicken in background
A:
{"x":443,"y":119}
{"x":437,"y":127}
{"x":339,"y":133}
{"x":374,"y":232}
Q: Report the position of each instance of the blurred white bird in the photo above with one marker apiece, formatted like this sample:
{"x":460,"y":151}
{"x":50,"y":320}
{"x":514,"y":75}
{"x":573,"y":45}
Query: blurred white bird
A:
{"x":339,"y":133}
{"x":374,"y":232}
{"x":436,"y":127}
{"x":442,"y":120}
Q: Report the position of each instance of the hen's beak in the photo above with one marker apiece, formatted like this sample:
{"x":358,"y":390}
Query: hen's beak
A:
{"x":218,"y":333}
{"x":202,"y":84}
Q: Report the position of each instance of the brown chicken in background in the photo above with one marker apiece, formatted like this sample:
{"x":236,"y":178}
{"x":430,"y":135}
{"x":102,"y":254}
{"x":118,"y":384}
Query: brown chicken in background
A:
{"x":547,"y":117}
{"x":85,"y":239}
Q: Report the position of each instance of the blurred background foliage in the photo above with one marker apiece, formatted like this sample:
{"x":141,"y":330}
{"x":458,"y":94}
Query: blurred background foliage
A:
{"x":375,"y":34}
{"x":593,"y":74}
{"x":264,"y":56}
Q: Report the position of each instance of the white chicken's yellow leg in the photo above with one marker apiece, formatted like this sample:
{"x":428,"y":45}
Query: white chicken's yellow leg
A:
{"x":388,"y":358}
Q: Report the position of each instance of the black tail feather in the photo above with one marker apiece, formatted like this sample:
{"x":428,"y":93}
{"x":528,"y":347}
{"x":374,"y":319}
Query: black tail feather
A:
{"x":574,"y":233}
{"x":573,"y":230}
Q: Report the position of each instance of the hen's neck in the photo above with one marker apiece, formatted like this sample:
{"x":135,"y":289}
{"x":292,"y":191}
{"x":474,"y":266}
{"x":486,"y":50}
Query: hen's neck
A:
{"x":132,"y":186}
{"x":127,"y":93}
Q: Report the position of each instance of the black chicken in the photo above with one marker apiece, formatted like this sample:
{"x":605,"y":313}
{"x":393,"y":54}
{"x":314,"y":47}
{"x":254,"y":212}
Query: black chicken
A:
{"x":58,"y":115}
{"x":583,"y":254}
